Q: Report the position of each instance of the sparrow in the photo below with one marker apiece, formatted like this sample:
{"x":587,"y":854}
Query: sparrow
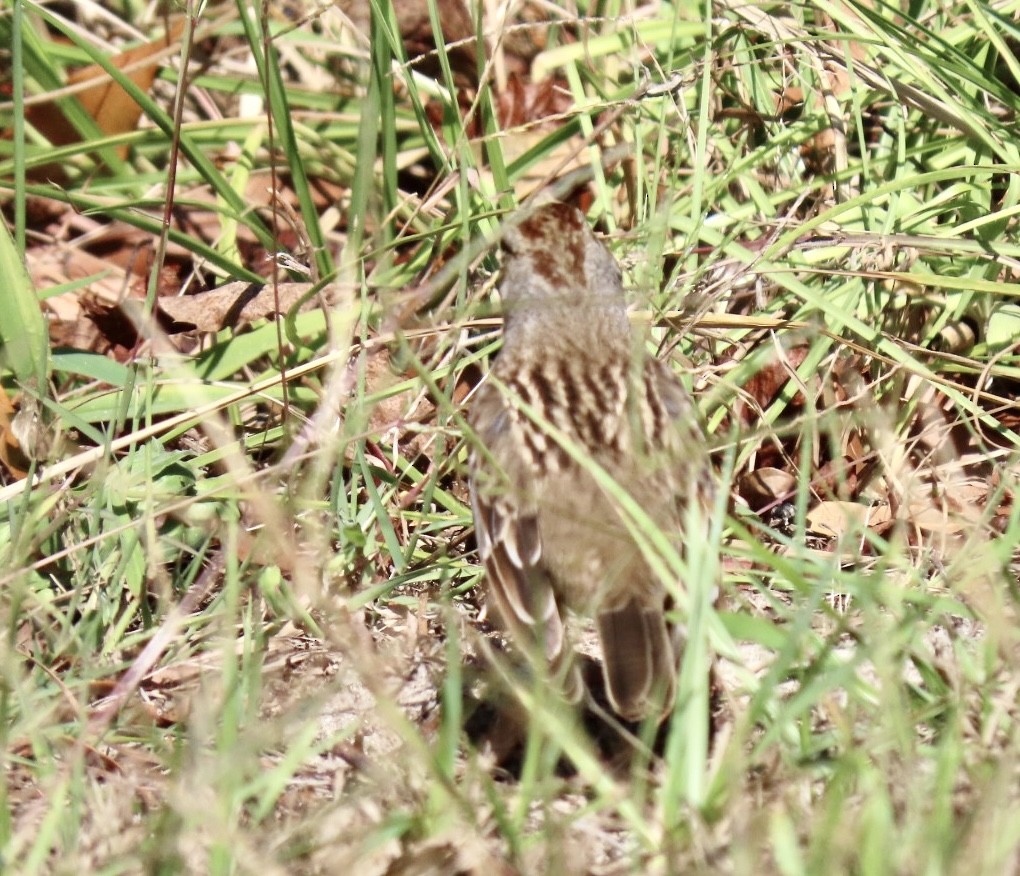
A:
{"x":572,"y":400}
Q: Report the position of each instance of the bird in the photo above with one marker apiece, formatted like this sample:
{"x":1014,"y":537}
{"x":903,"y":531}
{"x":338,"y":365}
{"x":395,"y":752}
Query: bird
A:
{"x":571,"y":400}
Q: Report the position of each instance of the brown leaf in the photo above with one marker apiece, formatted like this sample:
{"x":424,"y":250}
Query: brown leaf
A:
{"x":236,"y":304}
{"x":962,"y":507}
{"x":764,"y":386}
{"x":835,"y":518}
{"x":766,"y":486}
{"x":11,"y":454}
{"x":523,"y":102}
{"x":934,"y":519}
{"x":113,"y":110}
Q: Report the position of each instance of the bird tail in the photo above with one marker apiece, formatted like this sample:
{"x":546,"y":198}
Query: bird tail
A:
{"x":639,"y":661}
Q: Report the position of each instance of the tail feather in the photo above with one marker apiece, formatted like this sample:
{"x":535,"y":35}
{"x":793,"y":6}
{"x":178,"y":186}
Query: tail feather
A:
{"x":640,"y":663}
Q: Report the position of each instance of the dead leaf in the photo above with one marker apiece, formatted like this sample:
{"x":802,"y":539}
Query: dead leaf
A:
{"x":766,"y":486}
{"x":765,"y":385}
{"x":11,"y":454}
{"x":112,"y":108}
{"x":961,"y":507}
{"x":236,"y":304}
{"x":833,"y":519}
{"x":933,"y":519}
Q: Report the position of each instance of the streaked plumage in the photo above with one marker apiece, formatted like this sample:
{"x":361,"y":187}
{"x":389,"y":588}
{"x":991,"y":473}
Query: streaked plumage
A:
{"x":549,"y":535}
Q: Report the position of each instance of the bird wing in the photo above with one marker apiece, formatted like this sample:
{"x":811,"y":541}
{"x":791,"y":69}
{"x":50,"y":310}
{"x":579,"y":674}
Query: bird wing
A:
{"x":503,"y":484}
{"x":674,"y":419}
{"x":671,"y":411}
